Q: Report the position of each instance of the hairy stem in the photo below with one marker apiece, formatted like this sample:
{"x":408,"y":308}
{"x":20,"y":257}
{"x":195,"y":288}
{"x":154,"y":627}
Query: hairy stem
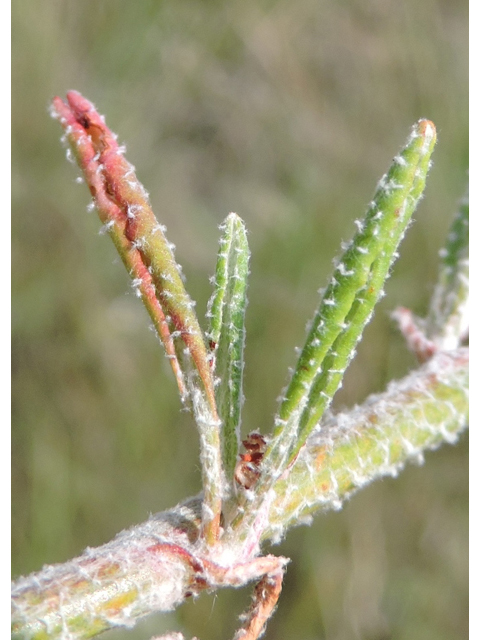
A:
{"x":139,"y":573}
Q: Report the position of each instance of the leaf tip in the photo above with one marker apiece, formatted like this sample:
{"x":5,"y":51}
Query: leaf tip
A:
{"x":78,"y":103}
{"x":427,"y":130}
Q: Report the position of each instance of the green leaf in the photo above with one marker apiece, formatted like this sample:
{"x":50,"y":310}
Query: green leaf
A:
{"x":226,"y":312}
{"x":448,"y":318}
{"x":348,"y":302}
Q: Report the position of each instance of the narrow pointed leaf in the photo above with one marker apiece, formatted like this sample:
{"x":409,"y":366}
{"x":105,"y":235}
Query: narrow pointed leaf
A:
{"x":343,"y":349}
{"x":124,"y":208}
{"x":349,"y":299}
{"x":118,"y":185}
{"x":448,"y":317}
{"x":115,"y":221}
{"x":226,"y":312}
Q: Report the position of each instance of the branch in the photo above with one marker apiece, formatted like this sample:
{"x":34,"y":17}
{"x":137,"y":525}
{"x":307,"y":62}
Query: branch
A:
{"x":418,"y":413}
{"x":155,"y":566}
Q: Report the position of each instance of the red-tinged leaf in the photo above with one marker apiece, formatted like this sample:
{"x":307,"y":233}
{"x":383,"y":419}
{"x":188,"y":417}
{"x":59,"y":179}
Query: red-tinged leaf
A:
{"x":124,"y":207}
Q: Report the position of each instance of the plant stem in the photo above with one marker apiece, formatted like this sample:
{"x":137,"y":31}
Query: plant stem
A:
{"x":153,"y":567}
{"x":350,"y":449}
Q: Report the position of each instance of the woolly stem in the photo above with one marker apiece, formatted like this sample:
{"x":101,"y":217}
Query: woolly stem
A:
{"x":350,"y":449}
{"x":154,"y":566}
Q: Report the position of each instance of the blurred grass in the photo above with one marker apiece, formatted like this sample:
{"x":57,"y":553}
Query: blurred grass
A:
{"x":287,"y":113}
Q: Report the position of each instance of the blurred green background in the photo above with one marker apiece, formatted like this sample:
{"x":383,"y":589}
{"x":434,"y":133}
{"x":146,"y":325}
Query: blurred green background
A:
{"x":287,"y":113}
